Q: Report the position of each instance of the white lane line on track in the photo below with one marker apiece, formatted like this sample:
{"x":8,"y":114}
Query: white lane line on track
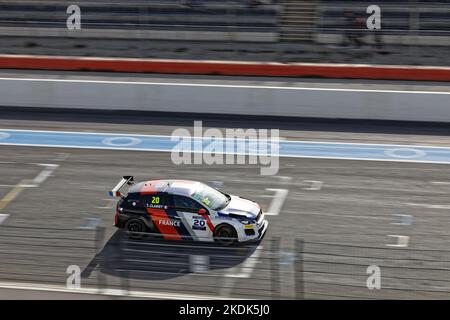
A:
{"x":277,"y":202}
{"x":240,"y":272}
{"x":110,"y":205}
{"x":248,"y":266}
{"x":430,"y":206}
{"x":281,"y":156}
{"x":42,"y":176}
{"x":49,"y":165}
{"x":90,"y":223}
{"x":209,"y":85}
{"x":12,"y":194}
{"x":315,"y":185}
{"x":18,"y":188}
{"x":402,"y":241}
{"x":287,"y":141}
{"x":284,"y":179}
{"x":105,"y":292}
{"x":3,"y":217}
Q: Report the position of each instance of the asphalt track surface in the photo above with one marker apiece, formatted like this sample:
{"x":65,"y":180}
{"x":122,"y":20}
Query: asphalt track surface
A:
{"x":350,"y":214}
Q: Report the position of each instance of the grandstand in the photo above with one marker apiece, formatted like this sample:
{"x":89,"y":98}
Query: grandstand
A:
{"x":322,"y":21}
{"x":409,"y":22}
{"x":210,"y":20}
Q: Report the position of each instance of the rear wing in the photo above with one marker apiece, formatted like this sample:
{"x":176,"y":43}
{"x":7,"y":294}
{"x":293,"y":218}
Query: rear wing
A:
{"x":116,"y":191}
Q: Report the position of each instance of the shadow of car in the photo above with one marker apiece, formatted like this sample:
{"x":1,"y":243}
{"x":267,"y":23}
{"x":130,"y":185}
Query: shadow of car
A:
{"x":157,"y":259}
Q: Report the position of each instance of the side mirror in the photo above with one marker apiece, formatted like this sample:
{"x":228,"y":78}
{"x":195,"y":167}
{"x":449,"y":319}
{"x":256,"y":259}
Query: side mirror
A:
{"x":202,"y":211}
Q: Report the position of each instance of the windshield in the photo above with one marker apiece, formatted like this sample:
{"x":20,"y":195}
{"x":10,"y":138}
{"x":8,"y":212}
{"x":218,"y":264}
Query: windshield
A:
{"x":212,"y":198}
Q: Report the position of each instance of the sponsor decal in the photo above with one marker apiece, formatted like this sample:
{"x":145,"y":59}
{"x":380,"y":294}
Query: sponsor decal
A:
{"x":156,"y":206}
{"x":248,"y":226}
{"x":199,"y":224}
{"x":168,"y":222}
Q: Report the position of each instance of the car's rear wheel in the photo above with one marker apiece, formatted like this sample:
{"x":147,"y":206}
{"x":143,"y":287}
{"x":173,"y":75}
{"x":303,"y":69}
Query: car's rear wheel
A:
{"x":135,"y":228}
{"x":225,"y":235}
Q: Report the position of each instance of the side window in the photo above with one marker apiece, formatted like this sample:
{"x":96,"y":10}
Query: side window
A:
{"x":156,"y":200}
{"x":182,"y":202}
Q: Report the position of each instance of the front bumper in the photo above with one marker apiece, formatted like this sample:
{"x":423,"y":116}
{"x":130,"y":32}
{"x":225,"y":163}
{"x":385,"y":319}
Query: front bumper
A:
{"x":262,"y":230}
{"x":260,"y":233}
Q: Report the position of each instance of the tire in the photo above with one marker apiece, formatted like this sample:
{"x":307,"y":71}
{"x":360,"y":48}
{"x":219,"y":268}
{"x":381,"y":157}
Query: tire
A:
{"x":135,"y":228}
{"x":225,"y":235}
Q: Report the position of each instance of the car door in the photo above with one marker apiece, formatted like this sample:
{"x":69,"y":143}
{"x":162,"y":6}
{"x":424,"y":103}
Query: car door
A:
{"x":198,"y":224}
{"x":165,"y":221}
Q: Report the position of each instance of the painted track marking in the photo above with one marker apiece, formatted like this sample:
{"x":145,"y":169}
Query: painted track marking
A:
{"x":104,"y":292}
{"x":12,"y":194}
{"x":26,"y":183}
{"x":430,"y":206}
{"x":406,"y":220}
{"x":441,"y":183}
{"x":3,"y":217}
{"x":402,"y":241}
{"x":240,"y":272}
{"x":277,"y":202}
{"x":315,"y":185}
{"x":109,"y":206}
{"x":288,"y":148}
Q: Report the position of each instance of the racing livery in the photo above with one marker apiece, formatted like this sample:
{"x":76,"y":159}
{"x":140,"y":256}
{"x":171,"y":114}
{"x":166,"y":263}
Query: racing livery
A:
{"x":187,"y":210}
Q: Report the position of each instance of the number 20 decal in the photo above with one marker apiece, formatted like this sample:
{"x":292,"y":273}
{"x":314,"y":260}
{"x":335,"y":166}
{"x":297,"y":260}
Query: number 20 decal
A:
{"x":155,"y":200}
{"x":199,"y":223}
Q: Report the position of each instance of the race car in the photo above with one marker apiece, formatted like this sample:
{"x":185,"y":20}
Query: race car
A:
{"x":186,"y":210}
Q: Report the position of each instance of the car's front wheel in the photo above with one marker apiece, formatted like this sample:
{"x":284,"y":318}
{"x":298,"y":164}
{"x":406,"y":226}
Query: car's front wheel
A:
{"x":135,"y":228}
{"x":225,"y":235}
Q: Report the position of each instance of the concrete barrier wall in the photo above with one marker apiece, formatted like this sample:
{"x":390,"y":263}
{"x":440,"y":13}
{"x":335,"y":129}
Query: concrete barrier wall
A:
{"x":240,"y":100}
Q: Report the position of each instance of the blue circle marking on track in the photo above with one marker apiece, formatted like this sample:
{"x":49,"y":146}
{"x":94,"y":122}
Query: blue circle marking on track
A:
{"x":4,"y":135}
{"x":121,"y":141}
{"x":405,"y":153}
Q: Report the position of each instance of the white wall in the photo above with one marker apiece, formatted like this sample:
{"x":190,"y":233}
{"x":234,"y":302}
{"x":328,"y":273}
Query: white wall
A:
{"x":257,"y":100}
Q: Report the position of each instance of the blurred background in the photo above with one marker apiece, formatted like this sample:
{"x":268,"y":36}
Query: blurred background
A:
{"x":331,"y":217}
{"x":412,"y":31}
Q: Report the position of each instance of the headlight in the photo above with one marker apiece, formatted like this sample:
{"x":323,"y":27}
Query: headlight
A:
{"x":246,"y":222}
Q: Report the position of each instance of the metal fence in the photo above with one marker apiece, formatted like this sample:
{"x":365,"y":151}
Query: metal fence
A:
{"x":269,"y":270}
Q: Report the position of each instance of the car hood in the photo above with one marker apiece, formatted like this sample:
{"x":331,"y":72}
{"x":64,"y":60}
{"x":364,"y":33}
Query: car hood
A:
{"x":240,"y":206}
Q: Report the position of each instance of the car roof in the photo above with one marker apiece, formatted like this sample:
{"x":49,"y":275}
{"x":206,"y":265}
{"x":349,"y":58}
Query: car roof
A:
{"x":180,"y":187}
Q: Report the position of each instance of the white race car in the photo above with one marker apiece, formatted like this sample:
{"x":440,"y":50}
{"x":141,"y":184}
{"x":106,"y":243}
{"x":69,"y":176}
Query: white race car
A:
{"x":187,"y":210}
